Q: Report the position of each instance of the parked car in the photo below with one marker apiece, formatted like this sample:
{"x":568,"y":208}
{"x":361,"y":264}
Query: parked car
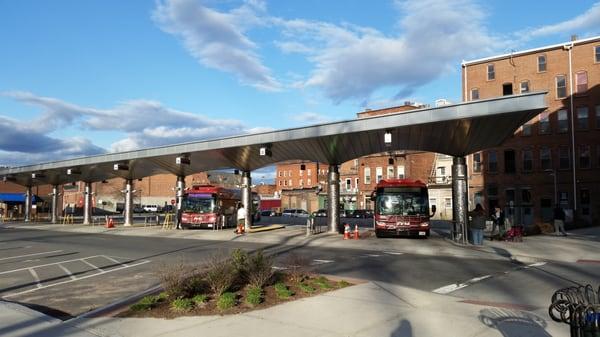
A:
{"x":296,"y":213}
{"x":268,"y":213}
{"x":320,"y":213}
{"x":362,"y":213}
{"x":150,"y":208}
{"x":288,"y":212}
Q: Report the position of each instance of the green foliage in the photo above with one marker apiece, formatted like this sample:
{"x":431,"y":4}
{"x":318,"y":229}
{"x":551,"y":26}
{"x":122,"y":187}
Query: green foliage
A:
{"x":182,"y":304}
{"x":342,"y":284}
{"x":181,"y":280}
{"x":226,"y":301}
{"x":239,"y":258}
{"x":254,"y":296}
{"x":322,"y":282}
{"x":147,"y":303}
{"x":282,"y":291}
{"x":200,"y":299}
{"x":306,"y":288}
{"x":259,"y":269}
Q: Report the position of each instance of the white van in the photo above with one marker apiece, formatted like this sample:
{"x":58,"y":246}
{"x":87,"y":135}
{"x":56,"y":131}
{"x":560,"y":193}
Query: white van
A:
{"x":150,"y":208}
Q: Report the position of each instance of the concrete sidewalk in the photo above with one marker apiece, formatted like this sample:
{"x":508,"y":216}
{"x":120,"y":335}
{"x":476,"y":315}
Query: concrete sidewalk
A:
{"x":365,"y":310}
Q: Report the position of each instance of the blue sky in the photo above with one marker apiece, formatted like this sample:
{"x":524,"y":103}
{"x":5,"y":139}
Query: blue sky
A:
{"x":86,"y":77}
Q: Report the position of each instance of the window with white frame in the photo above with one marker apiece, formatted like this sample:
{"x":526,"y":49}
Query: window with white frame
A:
{"x":356,"y":183}
{"x":474,"y":94}
{"x":285,"y":173}
{"x":367,"y":172}
{"x":563,"y":120}
{"x":581,"y":79}
{"x":582,"y":118}
{"x":400,"y":171}
{"x":308,"y":172}
{"x":544,"y":123}
{"x":301,"y":173}
{"x":561,"y":86}
{"x":290,"y":182}
{"x":491,"y":73}
{"x":390,"y":172}
{"x":348,"y":184}
{"x":378,"y":174}
{"x":524,"y":86}
{"x":541,"y":59}
{"x":477,"y":162}
{"x":597,"y":54}
{"x":301,"y":182}
{"x":308,"y":182}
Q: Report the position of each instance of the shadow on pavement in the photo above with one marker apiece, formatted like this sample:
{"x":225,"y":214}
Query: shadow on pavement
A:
{"x":404,"y":329}
{"x":512,"y":323}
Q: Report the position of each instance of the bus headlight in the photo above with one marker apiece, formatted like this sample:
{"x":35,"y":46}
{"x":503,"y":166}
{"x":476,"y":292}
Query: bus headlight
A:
{"x":424,"y":224}
{"x":380,"y":223}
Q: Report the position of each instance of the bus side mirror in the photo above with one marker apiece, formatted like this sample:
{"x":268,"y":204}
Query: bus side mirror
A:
{"x":433,"y":209}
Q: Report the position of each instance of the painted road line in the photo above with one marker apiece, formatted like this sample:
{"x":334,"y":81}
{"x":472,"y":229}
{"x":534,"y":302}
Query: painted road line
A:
{"x":115,"y":261}
{"x":454,"y":287}
{"x":371,"y":255}
{"x":42,"y":253}
{"x":78,"y":279}
{"x":279,"y":268}
{"x":91,"y":265}
{"x":67,"y":271}
{"x":44,"y":265}
{"x":394,"y":253}
{"x":317,"y":261}
{"x":537,"y":264}
{"x":35,"y":277}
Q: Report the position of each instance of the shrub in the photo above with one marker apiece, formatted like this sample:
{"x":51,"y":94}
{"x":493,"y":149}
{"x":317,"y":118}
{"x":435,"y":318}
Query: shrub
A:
{"x":297,"y":266}
{"x":306,"y":288}
{"x":322,"y":282}
{"x":342,"y":284}
{"x":200,"y":299}
{"x":147,"y":303}
{"x":182,"y":304}
{"x":260,"y":269}
{"x":226,"y":301}
{"x":180,"y":280}
{"x":220,"y":274}
{"x":254,"y":296}
{"x":282,"y":291}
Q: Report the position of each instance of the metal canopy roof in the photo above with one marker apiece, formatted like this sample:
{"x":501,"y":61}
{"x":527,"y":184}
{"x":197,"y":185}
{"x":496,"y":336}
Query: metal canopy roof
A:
{"x":456,"y":130}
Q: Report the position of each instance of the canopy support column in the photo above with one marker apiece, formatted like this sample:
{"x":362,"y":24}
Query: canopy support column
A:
{"x":87,"y":203}
{"x":247,"y":199}
{"x":460,"y":202}
{"x":333,"y":198}
{"x":179,"y":190}
{"x":128,"y":213}
{"x":28,"y":195}
{"x":54,"y":206}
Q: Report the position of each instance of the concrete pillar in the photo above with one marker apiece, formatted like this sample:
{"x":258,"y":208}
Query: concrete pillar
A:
{"x":247,"y":199}
{"x":179,"y":189}
{"x":460,"y":196}
{"x":28,"y":195}
{"x":87,"y":203}
{"x":54,"y":207}
{"x":333,"y":199}
{"x":128,"y":214}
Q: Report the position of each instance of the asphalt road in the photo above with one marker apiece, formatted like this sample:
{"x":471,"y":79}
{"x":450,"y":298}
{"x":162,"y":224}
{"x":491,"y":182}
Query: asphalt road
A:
{"x":67,"y":274}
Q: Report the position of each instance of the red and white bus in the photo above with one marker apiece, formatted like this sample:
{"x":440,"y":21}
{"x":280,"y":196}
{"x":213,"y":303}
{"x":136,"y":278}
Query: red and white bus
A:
{"x":401,"y":208}
{"x":208,"y":206}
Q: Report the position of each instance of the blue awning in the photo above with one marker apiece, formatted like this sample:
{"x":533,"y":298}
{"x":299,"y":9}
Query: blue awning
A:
{"x":17,"y":198}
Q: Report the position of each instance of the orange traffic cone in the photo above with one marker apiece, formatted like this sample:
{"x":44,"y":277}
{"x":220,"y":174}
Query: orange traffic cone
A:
{"x":110,"y":223}
{"x":346,"y":232}
{"x":356,"y":233}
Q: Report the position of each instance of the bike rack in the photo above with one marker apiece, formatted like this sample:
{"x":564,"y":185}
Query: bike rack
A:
{"x":579,"y":307}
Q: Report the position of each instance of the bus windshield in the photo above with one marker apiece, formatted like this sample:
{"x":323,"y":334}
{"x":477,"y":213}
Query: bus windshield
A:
{"x":402,"y":201}
{"x":198,"y":205}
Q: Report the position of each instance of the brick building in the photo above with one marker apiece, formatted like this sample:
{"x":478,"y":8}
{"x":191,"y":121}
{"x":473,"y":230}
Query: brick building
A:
{"x":562,"y":143}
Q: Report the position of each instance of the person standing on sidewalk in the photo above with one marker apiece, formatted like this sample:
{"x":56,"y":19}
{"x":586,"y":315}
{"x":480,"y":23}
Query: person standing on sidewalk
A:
{"x":559,"y":221}
{"x":241,"y":219}
{"x":477,"y":225}
{"x":498,"y":219}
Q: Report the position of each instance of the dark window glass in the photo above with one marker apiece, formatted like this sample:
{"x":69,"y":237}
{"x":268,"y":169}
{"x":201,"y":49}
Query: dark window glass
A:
{"x":582,"y":118}
{"x":491,"y":74}
{"x":544,"y":123}
{"x":563,"y":158}
{"x":492,"y":161}
{"x":582,"y":82}
{"x":527,"y":160}
{"x":561,"y":86}
{"x":524,"y":87}
{"x":509,"y":161}
{"x":563,"y":120}
{"x":526,"y":129}
{"x":545,"y":158}
{"x":584,"y":156}
{"x":477,"y":162}
{"x":474,"y":94}
{"x":507,"y":89}
{"x":492,"y":190}
{"x":526,"y":196}
{"x":541,"y":63}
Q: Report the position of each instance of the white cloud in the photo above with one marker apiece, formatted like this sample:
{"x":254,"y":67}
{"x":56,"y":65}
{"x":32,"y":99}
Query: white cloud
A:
{"x":145,"y":124}
{"x":588,"y":21}
{"x":217,"y":39}
{"x":353,"y":62}
{"x":310,"y":118}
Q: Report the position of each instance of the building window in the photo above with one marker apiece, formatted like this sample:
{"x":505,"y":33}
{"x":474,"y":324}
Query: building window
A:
{"x":432,"y":202}
{"x":526,"y":129}
{"x":491,"y":74}
{"x":509,"y":161}
{"x":597,"y":116}
{"x":526,"y":196}
{"x":544,"y":123}
{"x":581,"y":79}
{"x":541,"y":63}
{"x":390,"y":172}
{"x":400,"y":172}
{"x":285,"y":173}
{"x":474,"y":94}
{"x":582,"y":118}
{"x":441,"y":171}
{"x":285,"y":183}
{"x":356,"y":183}
{"x":378,"y":174}
{"x":348,"y":184}
{"x":367,"y":175}
{"x":584,"y":199}
{"x":301,"y":173}
{"x":308,"y":172}
{"x":448,"y":202}
{"x":563,"y":120}
{"x":301,"y":182}
{"x":584,"y":156}
{"x":507,"y":89}
{"x":561,"y":86}
{"x":492,"y":162}
{"x":545,"y":158}
{"x":597,"y":54}
{"x":563,"y":158}
{"x":279,"y":182}
{"x":492,"y":191}
{"x":477,"y":162}
{"x":524,"y":86}
{"x":290,"y":182}
{"x":510,"y":196}
{"x":527,"y":160}
{"x":280,"y":173}
{"x":308,"y":182}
